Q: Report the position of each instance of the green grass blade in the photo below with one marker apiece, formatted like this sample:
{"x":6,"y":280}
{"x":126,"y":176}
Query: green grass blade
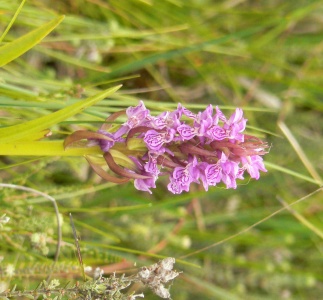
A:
{"x":290,"y":172}
{"x":12,"y":20}
{"x":21,"y":131}
{"x":12,"y":50}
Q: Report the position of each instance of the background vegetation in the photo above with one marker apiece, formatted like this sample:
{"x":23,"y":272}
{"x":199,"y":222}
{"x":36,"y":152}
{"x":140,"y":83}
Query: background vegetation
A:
{"x":263,"y":56}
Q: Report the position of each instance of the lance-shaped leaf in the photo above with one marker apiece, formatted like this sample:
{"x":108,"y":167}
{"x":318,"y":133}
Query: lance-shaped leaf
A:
{"x":119,"y":170}
{"x":103,"y":174}
{"x":84,"y":134}
{"x":45,"y":148}
{"x":22,"y":131}
{"x":12,"y":50}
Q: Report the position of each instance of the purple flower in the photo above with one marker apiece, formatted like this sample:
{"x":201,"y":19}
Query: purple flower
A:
{"x":182,"y":183}
{"x":182,"y":177}
{"x":151,"y":165}
{"x":160,"y":121}
{"x":137,"y":115}
{"x":235,"y":125}
{"x":154,"y":140}
{"x":180,"y":180}
{"x":166,"y":120}
{"x":213,"y":174}
{"x":230,"y":170}
{"x":204,"y":120}
{"x":201,"y":174}
{"x":253,"y":164}
{"x":224,"y":170}
{"x":229,"y":174}
{"x":205,"y":147}
{"x":186,"y":132}
{"x":217,"y":133}
{"x":174,"y":186}
{"x":145,"y":184}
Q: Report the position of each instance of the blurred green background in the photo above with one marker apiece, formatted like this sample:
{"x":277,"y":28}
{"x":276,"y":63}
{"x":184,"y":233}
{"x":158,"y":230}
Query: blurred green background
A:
{"x":263,"y":56}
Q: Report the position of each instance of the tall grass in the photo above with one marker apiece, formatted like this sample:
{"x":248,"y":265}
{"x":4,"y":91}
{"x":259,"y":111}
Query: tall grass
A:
{"x":265,"y":57}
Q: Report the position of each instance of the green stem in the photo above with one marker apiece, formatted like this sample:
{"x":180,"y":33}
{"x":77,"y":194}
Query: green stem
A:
{"x":46,"y":148}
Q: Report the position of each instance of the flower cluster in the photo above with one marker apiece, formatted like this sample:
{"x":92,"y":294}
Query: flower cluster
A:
{"x":205,"y":148}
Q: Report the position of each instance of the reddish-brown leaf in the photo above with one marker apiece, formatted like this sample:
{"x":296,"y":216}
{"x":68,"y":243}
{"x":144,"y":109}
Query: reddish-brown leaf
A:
{"x":119,"y":170}
{"x":112,"y":118}
{"x":84,"y":134}
{"x":106,"y":176}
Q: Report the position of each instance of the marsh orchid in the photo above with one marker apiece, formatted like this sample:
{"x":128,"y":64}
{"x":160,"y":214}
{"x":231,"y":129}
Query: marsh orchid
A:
{"x":204,"y":147}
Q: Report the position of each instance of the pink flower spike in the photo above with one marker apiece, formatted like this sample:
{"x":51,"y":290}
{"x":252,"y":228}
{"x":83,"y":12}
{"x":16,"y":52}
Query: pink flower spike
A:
{"x":203,"y":147}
